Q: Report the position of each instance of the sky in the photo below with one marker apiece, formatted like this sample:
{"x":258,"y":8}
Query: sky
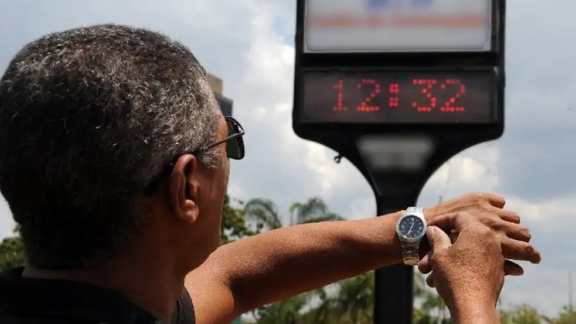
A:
{"x":249,"y":44}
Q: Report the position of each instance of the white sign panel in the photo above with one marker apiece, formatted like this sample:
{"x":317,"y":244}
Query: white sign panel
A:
{"x":397,"y":26}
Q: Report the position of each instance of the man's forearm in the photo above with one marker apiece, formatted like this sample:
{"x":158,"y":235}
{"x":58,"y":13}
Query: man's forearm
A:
{"x":278,"y":264}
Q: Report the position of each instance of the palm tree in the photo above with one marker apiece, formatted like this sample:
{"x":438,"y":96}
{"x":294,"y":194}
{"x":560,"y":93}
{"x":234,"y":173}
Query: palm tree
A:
{"x":432,"y":308}
{"x":356,"y":298}
{"x":285,"y":312}
{"x":420,"y":289}
{"x":421,"y":293}
{"x":352,"y":304}
{"x":434,"y":304}
{"x":266,"y":215}
{"x":525,"y":314}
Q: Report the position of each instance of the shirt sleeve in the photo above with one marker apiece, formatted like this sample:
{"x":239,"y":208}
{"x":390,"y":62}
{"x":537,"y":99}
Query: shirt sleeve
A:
{"x":184,"y":312}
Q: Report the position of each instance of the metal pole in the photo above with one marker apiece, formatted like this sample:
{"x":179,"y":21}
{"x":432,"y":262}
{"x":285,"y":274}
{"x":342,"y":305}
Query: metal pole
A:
{"x":393,"y":295}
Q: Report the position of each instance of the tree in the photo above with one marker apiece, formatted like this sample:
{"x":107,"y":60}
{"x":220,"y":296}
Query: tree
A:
{"x":288,"y":311}
{"x":567,"y":315}
{"x":505,"y":317}
{"x":432,"y":308}
{"x":11,"y":253}
{"x":234,"y":222}
{"x":434,"y":305}
{"x":420,"y":291}
{"x":523,"y":314}
{"x":352,"y":303}
{"x":265,"y":214}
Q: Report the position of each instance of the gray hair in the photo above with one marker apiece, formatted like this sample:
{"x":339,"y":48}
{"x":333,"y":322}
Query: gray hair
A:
{"x":88,"y":117}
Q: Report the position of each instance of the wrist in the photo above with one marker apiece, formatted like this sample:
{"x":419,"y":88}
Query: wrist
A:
{"x":474,"y":311}
{"x":395,"y":240}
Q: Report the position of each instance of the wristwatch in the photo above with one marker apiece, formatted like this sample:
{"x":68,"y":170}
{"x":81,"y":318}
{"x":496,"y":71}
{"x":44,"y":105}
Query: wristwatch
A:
{"x":411,"y":228}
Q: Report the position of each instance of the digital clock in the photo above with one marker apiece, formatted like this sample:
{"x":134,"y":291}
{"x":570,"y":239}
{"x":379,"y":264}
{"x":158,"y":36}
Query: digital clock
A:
{"x":407,"y":97}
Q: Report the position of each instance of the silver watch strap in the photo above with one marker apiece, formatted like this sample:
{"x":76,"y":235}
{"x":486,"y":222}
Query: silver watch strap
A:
{"x":415,"y":210}
{"x":410,"y":254}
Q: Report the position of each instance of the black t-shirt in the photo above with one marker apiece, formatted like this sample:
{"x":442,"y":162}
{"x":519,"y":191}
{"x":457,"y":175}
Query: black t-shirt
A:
{"x":39,"y":301}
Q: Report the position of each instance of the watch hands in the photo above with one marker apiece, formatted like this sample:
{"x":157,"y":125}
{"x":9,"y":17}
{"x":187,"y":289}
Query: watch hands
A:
{"x":410,"y":230}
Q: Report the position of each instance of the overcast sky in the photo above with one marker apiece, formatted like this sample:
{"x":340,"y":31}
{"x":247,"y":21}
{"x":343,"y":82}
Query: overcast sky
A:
{"x":249,"y":44}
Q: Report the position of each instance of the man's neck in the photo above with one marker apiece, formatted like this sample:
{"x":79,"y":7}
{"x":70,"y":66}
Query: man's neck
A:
{"x":155,"y":289}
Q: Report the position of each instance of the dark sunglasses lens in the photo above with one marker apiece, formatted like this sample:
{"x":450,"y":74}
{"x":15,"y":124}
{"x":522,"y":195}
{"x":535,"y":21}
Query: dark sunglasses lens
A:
{"x":235,"y":145}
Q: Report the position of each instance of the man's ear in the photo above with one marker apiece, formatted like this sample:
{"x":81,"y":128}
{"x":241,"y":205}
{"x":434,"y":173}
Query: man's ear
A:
{"x":184,"y":188}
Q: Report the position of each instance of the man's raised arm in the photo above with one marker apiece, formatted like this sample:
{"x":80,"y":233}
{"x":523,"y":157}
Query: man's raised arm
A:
{"x":269,"y":267}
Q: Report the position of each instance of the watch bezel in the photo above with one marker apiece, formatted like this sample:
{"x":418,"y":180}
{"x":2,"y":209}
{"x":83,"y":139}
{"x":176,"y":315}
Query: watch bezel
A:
{"x":411,"y":239}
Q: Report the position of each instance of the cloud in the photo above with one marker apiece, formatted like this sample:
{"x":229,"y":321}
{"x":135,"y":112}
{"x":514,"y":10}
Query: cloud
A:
{"x":537,"y":154}
{"x":249,"y":44}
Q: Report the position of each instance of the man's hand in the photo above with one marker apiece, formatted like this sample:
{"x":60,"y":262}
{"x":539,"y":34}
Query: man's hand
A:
{"x":489,"y":210}
{"x":469,"y":273}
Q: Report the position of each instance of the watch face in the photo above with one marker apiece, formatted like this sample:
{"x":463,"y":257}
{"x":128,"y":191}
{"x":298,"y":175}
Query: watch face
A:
{"x":411,"y":227}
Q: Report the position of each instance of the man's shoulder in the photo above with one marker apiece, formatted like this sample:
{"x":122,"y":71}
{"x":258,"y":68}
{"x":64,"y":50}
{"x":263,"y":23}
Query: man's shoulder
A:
{"x":47,"y":301}
{"x":36,"y":301}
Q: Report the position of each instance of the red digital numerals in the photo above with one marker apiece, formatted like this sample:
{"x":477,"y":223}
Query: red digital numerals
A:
{"x":339,"y":96}
{"x":365,"y":106}
{"x":460,"y":90}
{"x":447,"y":85}
{"x":394,"y":89}
{"x":428,"y":86}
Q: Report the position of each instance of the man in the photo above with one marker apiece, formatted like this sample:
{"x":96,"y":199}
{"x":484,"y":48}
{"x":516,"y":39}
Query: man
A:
{"x":114,"y":162}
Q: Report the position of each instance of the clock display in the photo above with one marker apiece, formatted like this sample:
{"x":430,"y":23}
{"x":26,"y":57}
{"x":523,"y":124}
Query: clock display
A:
{"x":398,"y":97}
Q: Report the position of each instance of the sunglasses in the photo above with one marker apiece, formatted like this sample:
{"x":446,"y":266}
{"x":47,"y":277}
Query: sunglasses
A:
{"x":234,"y":141}
{"x":234,"y":150}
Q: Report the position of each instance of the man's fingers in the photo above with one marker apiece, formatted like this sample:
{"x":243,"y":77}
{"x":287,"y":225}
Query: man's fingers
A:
{"x":512,"y":269}
{"x":430,"y":281}
{"x":509,"y":216}
{"x":495,"y":200}
{"x":437,"y":238}
{"x":424,"y":265}
{"x":516,"y":232}
{"x":519,"y":250}
{"x":492,"y":198}
{"x":455,"y":222}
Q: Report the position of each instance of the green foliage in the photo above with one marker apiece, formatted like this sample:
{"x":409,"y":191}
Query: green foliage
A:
{"x":352,"y":303}
{"x":288,"y":311}
{"x":233,"y":222}
{"x":11,"y":253}
{"x":264,"y":213}
{"x":523,"y":314}
{"x":567,"y":315}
